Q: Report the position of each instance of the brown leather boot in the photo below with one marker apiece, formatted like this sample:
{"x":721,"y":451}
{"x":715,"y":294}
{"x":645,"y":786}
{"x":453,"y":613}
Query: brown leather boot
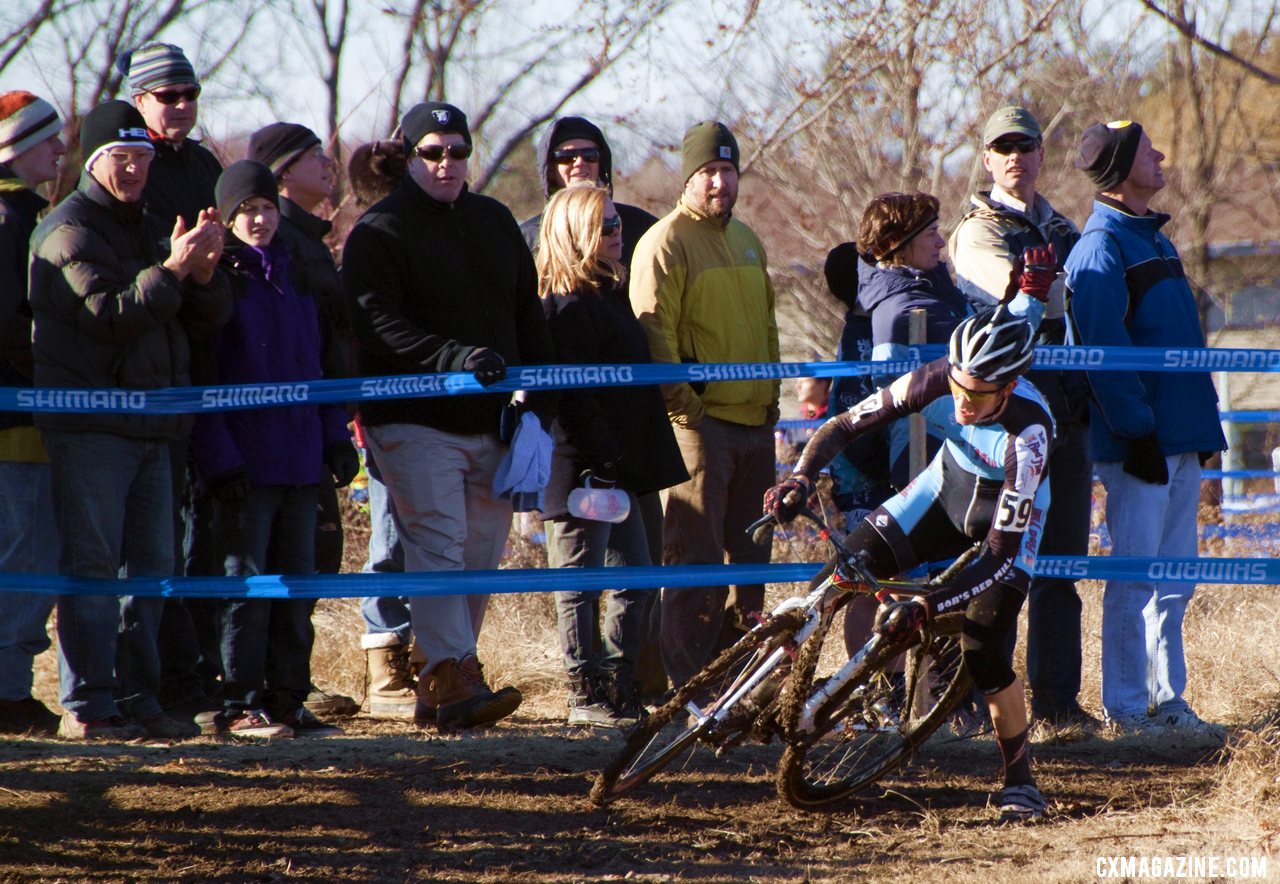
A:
{"x":465,"y":701}
{"x":428,"y":704}
{"x":390,"y":686}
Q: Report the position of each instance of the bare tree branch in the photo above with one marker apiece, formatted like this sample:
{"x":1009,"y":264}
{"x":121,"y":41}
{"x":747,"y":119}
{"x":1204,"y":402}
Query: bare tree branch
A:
{"x":1189,"y":30}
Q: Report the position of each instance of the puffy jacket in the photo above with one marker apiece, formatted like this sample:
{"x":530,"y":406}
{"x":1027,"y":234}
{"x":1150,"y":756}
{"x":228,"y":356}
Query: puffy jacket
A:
{"x":108,"y":315}
{"x":315,"y":274}
{"x":701,"y":289}
{"x":19,"y":209}
{"x":1126,"y":288}
{"x":426,"y":283}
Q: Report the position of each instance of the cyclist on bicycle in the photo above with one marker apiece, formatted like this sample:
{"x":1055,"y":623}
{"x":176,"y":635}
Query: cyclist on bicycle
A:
{"x":986,"y":483}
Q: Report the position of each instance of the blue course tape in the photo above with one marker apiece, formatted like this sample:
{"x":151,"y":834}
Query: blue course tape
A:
{"x":182,"y":400}
{"x":1236,"y":571}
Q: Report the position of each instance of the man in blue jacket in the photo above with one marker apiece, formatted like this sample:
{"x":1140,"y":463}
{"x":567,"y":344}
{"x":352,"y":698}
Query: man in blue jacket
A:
{"x":1151,"y":432}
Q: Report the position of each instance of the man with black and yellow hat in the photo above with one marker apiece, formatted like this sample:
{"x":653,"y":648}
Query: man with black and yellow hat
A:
{"x":700,"y":287}
{"x":1151,"y":432}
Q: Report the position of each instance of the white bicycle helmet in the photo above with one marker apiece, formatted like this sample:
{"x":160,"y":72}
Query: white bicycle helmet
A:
{"x":993,"y":345}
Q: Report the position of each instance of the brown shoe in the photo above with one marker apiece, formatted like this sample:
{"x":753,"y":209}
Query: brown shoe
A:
{"x":114,"y":728}
{"x":390,"y":683}
{"x":465,"y":700}
{"x":427,"y":704}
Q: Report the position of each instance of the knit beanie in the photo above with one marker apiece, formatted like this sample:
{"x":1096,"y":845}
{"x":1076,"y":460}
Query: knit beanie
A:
{"x":707,"y":142}
{"x":241,"y":181}
{"x":1107,"y":151}
{"x":157,"y":64}
{"x":432,"y":116}
{"x":278,"y":145}
{"x":25,"y":121}
{"x":112,"y":124}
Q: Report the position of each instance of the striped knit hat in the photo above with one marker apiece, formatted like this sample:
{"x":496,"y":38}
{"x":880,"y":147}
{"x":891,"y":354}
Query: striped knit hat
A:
{"x":25,"y":121}
{"x":155,"y":65}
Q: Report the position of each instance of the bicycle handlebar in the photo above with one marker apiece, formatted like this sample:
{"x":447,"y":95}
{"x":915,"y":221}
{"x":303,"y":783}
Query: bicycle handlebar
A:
{"x":850,"y":559}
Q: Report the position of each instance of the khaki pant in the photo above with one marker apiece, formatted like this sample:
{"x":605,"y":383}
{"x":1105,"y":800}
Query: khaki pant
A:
{"x":730,"y":468}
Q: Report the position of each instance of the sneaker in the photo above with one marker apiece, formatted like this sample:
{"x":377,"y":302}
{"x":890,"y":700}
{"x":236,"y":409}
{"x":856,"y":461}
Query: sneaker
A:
{"x":330,"y":703}
{"x":1063,"y":718}
{"x":1131,"y":724}
{"x":116,"y":727}
{"x":466,"y":701}
{"x":27,"y":716}
{"x":1185,"y":723}
{"x":1020,"y":804}
{"x":255,"y":723}
{"x":305,"y":724}
{"x":162,"y":727}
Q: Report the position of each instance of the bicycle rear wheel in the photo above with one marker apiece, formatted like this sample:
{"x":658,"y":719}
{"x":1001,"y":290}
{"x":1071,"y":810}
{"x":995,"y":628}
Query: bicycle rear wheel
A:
{"x":652,"y":745}
{"x":875,"y":721}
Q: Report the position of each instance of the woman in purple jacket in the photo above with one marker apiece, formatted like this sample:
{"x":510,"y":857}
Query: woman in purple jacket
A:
{"x":263,"y":467}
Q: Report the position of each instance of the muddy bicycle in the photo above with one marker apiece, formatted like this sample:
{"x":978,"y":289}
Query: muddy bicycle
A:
{"x":843,"y":729}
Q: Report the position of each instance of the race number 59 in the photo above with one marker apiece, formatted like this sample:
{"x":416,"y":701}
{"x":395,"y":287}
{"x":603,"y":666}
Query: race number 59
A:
{"x":1013,"y":511}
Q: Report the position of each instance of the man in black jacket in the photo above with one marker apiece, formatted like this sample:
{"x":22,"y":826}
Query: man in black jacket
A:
{"x":438,"y":279}
{"x":30,"y":150}
{"x":111,"y":310}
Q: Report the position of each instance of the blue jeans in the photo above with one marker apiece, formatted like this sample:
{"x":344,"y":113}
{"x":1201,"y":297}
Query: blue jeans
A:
{"x":582,"y":543}
{"x":1143,"y":668}
{"x":113,"y":503}
{"x":384,"y":613}
{"x":28,"y":545}
{"x":266,"y":643}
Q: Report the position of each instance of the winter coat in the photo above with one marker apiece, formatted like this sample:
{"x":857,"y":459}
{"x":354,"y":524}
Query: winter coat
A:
{"x":108,"y":315}
{"x":273,"y":337}
{"x":180,"y":181}
{"x":19,"y":209}
{"x":426,"y":283}
{"x":315,"y":274}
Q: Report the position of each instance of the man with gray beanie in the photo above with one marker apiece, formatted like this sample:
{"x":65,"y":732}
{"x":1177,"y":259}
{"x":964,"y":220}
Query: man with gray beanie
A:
{"x":700,"y":287}
{"x":988,"y":246}
{"x":439,"y":279}
{"x":113,"y":310}
{"x":1151,"y":432}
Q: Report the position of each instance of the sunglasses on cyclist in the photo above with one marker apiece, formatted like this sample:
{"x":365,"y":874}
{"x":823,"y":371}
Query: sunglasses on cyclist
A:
{"x":173,"y":96}
{"x":611,"y":225}
{"x":976,"y":397}
{"x":567,"y":155}
{"x":435,"y":152}
{"x":1021,"y":145}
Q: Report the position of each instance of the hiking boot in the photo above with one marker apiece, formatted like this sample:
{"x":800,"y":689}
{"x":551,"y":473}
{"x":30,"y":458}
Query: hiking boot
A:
{"x":465,"y":700}
{"x":589,"y":704}
{"x":1072,"y":716}
{"x":427,"y":704}
{"x":1020,"y":804}
{"x":162,"y":727}
{"x":390,"y":682}
{"x":622,"y":692}
{"x":116,"y":727}
{"x":330,"y":703}
{"x":304,"y":724}
{"x":254,"y":723}
{"x":27,"y":716}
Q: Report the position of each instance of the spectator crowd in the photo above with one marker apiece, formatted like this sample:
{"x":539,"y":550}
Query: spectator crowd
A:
{"x":164,"y":269}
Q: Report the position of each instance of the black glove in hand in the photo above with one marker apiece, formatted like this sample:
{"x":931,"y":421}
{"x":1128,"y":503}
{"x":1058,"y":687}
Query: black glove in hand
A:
{"x":343,"y":462}
{"x":230,"y":487}
{"x":1039,"y":271}
{"x":488,"y":365}
{"x":785,"y":501}
{"x":1145,"y":461}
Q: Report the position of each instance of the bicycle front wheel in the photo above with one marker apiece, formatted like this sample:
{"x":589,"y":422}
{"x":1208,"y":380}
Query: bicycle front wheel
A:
{"x":653,"y":745}
{"x":875,"y":721}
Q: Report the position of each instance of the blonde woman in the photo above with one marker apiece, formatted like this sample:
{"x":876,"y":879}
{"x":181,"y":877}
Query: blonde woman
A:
{"x":617,"y":437}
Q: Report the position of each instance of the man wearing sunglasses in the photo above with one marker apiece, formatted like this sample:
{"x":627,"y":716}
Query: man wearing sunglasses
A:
{"x":987,"y":249}
{"x":439,"y":279}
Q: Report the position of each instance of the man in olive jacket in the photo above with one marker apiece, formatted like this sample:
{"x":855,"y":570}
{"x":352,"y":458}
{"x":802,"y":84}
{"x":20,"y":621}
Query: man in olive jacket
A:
{"x":113,"y":311}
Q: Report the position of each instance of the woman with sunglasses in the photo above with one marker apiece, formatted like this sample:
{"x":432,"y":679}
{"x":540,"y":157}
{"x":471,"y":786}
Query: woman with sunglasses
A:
{"x":605,"y":438}
{"x":987,"y":483}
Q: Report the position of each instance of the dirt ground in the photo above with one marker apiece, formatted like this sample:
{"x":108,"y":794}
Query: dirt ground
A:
{"x":385,"y":802}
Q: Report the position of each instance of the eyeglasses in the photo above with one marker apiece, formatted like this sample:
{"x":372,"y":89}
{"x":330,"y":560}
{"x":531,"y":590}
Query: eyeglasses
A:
{"x":434,"y":153}
{"x":1021,"y":145}
{"x":611,"y":225}
{"x":120,"y":158}
{"x":173,"y":96}
{"x":977,"y":397}
{"x":567,"y":155}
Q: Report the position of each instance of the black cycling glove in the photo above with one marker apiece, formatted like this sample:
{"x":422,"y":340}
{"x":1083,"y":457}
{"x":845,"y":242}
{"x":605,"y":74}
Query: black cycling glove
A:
{"x":1145,"y":461}
{"x":488,"y":365}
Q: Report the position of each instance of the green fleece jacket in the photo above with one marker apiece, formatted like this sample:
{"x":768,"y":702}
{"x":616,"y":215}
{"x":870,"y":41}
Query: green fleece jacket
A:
{"x":701,"y":290}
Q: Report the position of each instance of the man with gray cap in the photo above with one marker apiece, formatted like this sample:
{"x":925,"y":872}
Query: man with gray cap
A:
{"x":439,"y":279}
{"x":987,"y":250}
{"x":113,"y":310}
{"x":1151,"y":432}
{"x":700,"y":287}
